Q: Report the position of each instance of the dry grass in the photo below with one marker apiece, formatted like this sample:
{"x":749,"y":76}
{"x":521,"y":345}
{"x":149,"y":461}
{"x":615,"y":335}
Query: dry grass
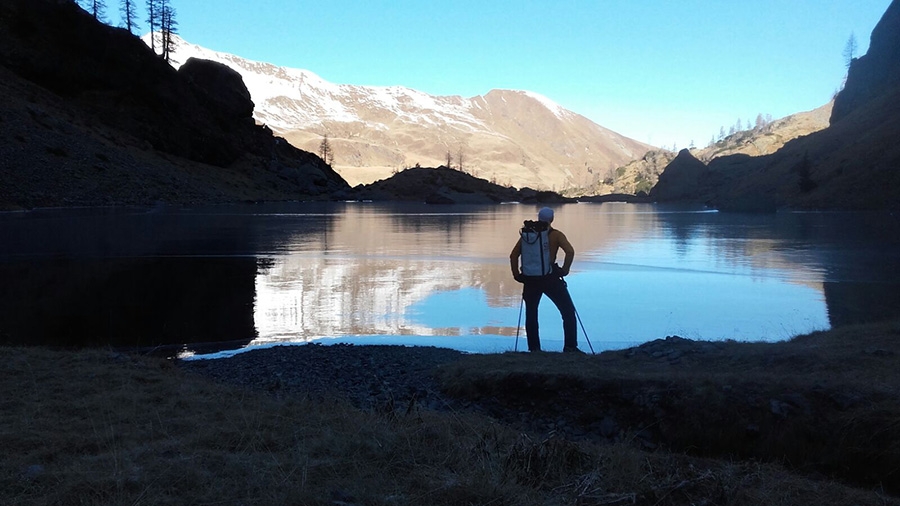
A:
{"x":826,"y":403}
{"x":96,"y":427}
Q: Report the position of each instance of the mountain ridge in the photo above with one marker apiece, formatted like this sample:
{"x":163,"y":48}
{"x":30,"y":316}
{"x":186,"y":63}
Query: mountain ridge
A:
{"x":639,"y":176}
{"x":515,"y":137}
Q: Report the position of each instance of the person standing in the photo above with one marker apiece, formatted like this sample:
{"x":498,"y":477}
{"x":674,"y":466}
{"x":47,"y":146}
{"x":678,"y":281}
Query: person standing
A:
{"x":537,"y":247}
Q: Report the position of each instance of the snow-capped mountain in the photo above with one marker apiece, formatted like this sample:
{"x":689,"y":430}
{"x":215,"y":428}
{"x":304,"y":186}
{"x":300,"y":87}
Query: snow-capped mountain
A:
{"x":512,"y":137}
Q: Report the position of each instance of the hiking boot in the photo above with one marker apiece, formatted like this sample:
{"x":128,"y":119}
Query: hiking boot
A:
{"x":573,"y":349}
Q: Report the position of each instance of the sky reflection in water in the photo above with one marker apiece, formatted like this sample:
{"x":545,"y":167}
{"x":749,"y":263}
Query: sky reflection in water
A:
{"x":433,"y":275}
{"x":621,"y":305}
{"x":639,"y":275}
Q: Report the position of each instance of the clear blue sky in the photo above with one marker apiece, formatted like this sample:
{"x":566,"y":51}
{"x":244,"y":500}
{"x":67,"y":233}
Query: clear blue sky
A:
{"x":663,"y":71}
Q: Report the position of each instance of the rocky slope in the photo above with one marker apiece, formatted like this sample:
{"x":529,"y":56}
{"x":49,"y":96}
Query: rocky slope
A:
{"x":852,"y":164}
{"x":640,"y":175}
{"x":92,"y":117}
{"x":636,"y":177}
{"x":515,"y":138}
{"x":770,"y":138}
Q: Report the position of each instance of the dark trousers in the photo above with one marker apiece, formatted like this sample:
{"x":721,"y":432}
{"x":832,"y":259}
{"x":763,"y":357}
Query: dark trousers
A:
{"x":554,"y":287}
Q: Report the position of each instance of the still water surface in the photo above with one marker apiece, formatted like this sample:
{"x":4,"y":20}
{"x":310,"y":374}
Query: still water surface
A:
{"x":432,"y":275}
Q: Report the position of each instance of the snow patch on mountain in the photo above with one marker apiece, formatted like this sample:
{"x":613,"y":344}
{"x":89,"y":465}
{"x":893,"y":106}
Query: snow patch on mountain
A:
{"x":557,"y":110}
{"x":288,"y":99}
{"x":519,"y":138}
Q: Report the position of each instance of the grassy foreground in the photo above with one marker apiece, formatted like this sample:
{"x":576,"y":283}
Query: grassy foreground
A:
{"x":97,"y":427}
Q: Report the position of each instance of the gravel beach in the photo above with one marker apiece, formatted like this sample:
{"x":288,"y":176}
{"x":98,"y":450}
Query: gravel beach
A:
{"x":370,"y":377}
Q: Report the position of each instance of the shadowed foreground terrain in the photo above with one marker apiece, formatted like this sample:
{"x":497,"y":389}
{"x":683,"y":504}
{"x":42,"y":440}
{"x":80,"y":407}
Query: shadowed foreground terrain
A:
{"x":809,"y":421}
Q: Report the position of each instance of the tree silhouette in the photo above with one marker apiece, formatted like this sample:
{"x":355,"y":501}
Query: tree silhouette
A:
{"x":168,"y":28}
{"x":96,"y":8}
{"x":804,"y":170}
{"x":850,"y":50}
{"x":153,"y":19}
{"x":325,"y":151}
{"x":129,"y":15}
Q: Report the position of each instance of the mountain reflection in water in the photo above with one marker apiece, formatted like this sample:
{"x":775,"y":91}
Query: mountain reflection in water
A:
{"x":415,"y":274}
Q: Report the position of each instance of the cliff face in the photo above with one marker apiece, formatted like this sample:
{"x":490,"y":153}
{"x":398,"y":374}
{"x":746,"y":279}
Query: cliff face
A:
{"x":92,"y":116}
{"x":875,"y":73}
{"x":852,"y":164}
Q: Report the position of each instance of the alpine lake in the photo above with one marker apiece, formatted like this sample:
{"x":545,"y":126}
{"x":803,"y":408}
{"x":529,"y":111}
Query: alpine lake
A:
{"x":215,"y":280}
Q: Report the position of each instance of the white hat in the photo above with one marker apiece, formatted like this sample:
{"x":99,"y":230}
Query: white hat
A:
{"x":545,"y":214}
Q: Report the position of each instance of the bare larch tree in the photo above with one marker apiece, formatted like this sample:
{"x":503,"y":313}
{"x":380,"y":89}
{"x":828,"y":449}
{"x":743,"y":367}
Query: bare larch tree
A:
{"x":129,"y":15}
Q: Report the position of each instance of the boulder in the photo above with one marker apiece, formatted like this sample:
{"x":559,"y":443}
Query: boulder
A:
{"x":221,"y":85}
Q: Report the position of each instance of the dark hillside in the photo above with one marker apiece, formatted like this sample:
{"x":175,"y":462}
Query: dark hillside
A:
{"x":92,"y":116}
{"x":852,"y":164}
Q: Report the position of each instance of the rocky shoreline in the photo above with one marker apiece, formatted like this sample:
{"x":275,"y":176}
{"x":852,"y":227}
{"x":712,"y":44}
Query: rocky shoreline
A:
{"x":382,"y":378}
{"x":377,"y":377}
{"x":401,"y":379}
{"x":813,"y":400}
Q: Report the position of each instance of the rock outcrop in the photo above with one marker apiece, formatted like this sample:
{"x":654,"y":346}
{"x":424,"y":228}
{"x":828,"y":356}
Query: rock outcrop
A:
{"x":223,"y":86}
{"x":447,"y":186}
{"x":685,"y":178}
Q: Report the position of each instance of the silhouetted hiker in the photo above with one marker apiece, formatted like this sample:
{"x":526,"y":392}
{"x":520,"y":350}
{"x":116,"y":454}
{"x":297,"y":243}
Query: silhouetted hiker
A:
{"x":537,"y":246}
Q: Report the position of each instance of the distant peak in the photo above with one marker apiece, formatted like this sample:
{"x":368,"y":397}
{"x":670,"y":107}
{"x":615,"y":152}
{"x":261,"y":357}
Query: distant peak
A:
{"x":557,"y":110}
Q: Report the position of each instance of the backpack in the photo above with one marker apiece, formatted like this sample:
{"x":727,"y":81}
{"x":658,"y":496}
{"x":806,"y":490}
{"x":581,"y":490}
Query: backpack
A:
{"x":536,"y":248}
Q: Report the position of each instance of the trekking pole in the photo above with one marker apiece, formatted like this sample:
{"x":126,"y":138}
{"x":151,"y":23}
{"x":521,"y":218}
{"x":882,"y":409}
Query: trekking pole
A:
{"x":588,"y":339}
{"x":578,"y":316}
{"x":519,"y":324}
